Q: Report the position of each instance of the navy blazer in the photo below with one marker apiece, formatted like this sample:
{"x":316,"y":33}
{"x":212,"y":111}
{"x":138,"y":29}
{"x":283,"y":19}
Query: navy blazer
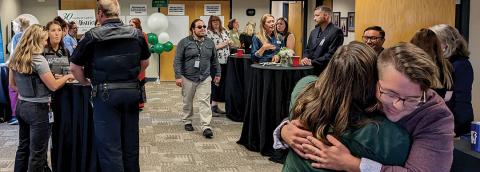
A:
{"x":322,"y":45}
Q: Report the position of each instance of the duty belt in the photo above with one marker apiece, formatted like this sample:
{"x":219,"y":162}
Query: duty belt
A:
{"x":111,"y":86}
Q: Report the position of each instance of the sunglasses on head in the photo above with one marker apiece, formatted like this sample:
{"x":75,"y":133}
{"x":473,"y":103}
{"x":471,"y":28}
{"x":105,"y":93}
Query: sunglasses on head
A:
{"x":200,"y":27}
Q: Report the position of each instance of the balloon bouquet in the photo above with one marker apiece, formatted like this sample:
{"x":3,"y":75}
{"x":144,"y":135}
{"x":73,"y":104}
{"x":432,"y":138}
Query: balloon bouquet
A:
{"x":158,"y":23}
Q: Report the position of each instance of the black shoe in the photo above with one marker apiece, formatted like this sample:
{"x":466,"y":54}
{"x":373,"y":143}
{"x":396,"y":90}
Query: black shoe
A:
{"x":208,"y":133}
{"x":189,"y":127}
{"x":215,"y":109}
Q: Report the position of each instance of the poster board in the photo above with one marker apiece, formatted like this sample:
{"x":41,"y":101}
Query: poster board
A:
{"x":85,"y":19}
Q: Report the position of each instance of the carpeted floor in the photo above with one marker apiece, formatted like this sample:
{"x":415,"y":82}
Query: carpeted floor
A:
{"x":166,"y":146}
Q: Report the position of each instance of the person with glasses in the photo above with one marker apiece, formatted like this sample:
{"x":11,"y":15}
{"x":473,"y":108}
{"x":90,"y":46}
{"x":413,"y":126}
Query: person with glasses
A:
{"x":403,"y":92}
{"x":72,"y":29}
{"x":195,"y":58}
{"x":343,"y":104}
{"x":374,"y":36}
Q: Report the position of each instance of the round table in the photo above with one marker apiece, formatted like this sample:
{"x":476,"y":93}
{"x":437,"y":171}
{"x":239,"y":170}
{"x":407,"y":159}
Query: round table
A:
{"x":237,"y":79}
{"x":267,"y":103}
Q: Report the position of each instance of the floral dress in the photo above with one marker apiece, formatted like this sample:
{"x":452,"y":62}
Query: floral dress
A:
{"x":222,"y":53}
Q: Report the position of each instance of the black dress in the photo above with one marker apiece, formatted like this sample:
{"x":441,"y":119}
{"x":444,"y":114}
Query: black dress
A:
{"x":246,"y":42}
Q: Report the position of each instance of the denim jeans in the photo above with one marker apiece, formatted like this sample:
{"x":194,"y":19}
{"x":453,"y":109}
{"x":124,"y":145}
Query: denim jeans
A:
{"x":115,"y":118}
{"x":33,"y":136}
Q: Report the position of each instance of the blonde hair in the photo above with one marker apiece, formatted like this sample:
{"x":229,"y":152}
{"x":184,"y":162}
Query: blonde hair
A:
{"x":249,"y":29}
{"x":111,"y":8}
{"x":32,"y":42}
{"x":262,"y":35}
{"x":411,"y":61}
{"x":346,"y":87}
{"x":456,"y":44}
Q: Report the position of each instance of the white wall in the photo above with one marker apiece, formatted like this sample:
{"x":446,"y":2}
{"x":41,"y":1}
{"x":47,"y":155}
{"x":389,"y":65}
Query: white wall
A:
{"x":474,"y":47}
{"x":239,"y":7}
{"x":44,"y":11}
{"x":345,"y":6}
{"x":9,"y":10}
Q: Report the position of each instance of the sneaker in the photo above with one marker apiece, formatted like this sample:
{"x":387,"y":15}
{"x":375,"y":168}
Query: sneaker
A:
{"x":208,"y":133}
{"x":13,"y":121}
{"x":215,"y":109}
{"x":189,"y":127}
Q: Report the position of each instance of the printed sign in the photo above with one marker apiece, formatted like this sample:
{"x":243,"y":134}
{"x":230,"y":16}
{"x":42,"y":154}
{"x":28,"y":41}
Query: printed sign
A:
{"x":176,"y":9}
{"x":212,"y":9}
{"x":138,"y":9}
{"x":159,"y":3}
{"x":85,"y":19}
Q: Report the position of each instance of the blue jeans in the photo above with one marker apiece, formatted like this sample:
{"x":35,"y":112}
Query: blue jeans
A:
{"x":115,"y":117}
{"x":33,"y":136}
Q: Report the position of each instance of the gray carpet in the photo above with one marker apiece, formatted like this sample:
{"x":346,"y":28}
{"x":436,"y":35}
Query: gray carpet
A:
{"x":166,"y":146}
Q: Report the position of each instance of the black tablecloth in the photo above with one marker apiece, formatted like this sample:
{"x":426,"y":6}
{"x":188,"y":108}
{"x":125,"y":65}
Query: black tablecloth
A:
{"x":465,"y":159}
{"x":72,"y":131}
{"x":5,"y":110}
{"x":268,"y":99}
{"x":237,"y":79}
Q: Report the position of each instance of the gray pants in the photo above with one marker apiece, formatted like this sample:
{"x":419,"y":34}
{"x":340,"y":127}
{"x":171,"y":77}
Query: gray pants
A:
{"x":201,"y":91}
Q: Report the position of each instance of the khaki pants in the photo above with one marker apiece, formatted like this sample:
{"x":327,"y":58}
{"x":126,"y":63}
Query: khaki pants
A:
{"x":201,"y":91}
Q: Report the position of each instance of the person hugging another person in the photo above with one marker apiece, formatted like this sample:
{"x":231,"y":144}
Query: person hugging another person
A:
{"x":217,"y":33}
{"x":288,"y":39}
{"x":266,"y":44}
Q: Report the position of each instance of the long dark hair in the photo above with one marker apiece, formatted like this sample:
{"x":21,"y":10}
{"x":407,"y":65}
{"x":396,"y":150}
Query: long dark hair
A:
{"x":346,"y":86}
{"x":210,"y":25}
{"x":49,"y":45}
{"x":427,"y":40}
{"x":284,"y":33}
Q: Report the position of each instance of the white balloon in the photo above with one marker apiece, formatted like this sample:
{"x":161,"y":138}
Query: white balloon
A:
{"x":163,"y":37}
{"x":157,"y":22}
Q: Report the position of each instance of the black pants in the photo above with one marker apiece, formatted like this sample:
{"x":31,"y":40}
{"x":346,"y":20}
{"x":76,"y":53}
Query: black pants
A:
{"x":115,"y":117}
{"x":33,"y":136}
{"x":218,"y":92}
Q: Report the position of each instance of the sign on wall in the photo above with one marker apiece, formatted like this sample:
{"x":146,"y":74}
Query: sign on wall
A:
{"x":176,"y":9}
{"x":159,"y":3}
{"x":138,"y":9}
{"x":212,"y":9}
{"x":85,"y":19}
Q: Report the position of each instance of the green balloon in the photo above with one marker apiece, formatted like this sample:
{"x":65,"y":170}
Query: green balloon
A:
{"x":168,"y":46}
{"x":158,"y":48}
{"x":152,"y":49}
{"x":152,"y":38}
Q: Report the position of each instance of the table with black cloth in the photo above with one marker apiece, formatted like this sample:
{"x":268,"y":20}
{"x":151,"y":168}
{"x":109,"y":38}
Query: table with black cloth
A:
{"x":5,"y":110}
{"x":464,"y":158}
{"x":236,"y":82}
{"x":267,"y":104}
{"x":72,"y":130}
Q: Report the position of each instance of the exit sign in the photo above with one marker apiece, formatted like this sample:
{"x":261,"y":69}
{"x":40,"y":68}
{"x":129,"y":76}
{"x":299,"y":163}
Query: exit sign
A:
{"x":159,"y":3}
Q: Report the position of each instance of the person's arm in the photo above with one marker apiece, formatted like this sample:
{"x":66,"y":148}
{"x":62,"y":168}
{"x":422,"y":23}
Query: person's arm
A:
{"x":78,"y":73}
{"x":11,"y":81}
{"x":80,"y":57}
{"x":216,"y":66}
{"x":54,"y":84}
{"x":336,"y":42}
{"x":256,"y":44}
{"x":178,"y":61}
{"x":291,"y":42}
{"x":145,"y":52}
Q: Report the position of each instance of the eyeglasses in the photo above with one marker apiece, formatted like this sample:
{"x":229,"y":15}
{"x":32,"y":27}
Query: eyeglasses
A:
{"x":371,"y":38}
{"x":408,"y":103}
{"x":200,"y":27}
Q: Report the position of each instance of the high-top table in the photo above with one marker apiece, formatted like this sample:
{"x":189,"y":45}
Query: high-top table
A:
{"x":236,"y":82}
{"x":267,"y":103}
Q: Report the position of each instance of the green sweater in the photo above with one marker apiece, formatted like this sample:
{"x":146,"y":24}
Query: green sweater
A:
{"x":382,"y":141}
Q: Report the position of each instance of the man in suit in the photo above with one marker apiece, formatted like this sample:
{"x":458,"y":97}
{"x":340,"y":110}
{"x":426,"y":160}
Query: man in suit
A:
{"x":323,"y":41}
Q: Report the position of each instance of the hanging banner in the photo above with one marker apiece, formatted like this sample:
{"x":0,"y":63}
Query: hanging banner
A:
{"x":2,"y":59}
{"x":212,"y":9}
{"x":85,"y":19}
{"x":138,"y":9}
{"x":176,"y":9}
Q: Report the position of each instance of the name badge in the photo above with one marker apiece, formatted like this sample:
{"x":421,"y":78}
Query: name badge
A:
{"x":321,"y":42}
{"x":50,"y":117}
{"x":197,"y":64}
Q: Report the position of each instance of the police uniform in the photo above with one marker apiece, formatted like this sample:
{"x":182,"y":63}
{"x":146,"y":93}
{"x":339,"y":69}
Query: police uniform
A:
{"x":111,"y":56}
